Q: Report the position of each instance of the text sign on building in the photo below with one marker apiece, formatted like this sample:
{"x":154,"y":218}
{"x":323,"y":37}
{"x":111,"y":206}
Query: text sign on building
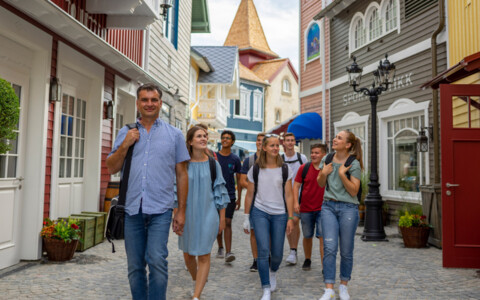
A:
{"x":400,"y":82}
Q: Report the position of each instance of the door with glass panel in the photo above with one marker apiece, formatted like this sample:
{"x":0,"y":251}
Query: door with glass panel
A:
{"x":460,"y":151}
{"x":11,"y":181}
{"x":71,"y":156}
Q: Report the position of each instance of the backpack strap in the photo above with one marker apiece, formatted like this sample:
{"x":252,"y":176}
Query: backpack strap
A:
{"x":126,"y":171}
{"x":284,"y":180}
{"x":256,"y":170}
{"x":283,"y":157}
{"x":328,"y":160}
{"x":213,"y":169}
{"x":251,"y":160}
{"x":304,"y":174}
{"x":299,"y":158}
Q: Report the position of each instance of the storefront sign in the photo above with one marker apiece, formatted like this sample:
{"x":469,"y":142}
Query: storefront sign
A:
{"x":400,"y":82}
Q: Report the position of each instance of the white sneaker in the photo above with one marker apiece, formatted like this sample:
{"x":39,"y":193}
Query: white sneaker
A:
{"x":292,"y":257}
{"x":266,"y":294}
{"x":273,"y":281}
{"x":220,"y":253}
{"x":329,"y":294}
{"x":343,"y":292}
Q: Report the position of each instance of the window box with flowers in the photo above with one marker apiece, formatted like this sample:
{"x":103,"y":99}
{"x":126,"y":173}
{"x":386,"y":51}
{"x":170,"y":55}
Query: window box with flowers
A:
{"x":415,"y":230}
{"x":60,"y":238}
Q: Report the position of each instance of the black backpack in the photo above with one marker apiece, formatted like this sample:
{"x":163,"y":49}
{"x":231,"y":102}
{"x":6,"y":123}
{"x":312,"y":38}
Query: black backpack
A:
{"x":304,"y":174}
{"x":213,"y":169}
{"x":115,"y":225}
{"x":348,"y":162}
{"x":299,"y":159}
{"x":256,"y":170}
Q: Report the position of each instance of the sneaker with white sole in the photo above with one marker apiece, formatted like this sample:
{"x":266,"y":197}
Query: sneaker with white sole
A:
{"x":229,"y":257}
{"x":328,"y":295}
{"x":220,"y":253}
{"x":273,"y":281}
{"x":254,"y":267}
{"x":343,"y":292}
{"x":292,"y":257}
{"x":266,"y":294}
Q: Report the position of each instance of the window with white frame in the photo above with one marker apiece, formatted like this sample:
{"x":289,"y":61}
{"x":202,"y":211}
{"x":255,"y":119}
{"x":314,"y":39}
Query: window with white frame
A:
{"x":118,"y":123}
{"x":257,"y":105}
{"x":377,"y":21}
{"x":8,"y":160}
{"x":242,"y":105}
{"x":401,"y":166}
{"x":374,"y":25}
{"x":278,"y":115}
{"x":390,"y":15}
{"x":358,"y":125}
{"x":286,"y":86}
{"x":72,"y":137}
{"x":359,"y":34}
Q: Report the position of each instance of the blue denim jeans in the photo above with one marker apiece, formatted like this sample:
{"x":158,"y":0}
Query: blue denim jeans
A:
{"x":311,"y":224}
{"x":269,"y":232}
{"x":146,"y":238}
{"x":339,"y":222}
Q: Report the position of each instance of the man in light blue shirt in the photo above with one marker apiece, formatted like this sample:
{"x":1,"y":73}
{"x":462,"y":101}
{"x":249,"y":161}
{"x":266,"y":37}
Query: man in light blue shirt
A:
{"x":159,"y":155}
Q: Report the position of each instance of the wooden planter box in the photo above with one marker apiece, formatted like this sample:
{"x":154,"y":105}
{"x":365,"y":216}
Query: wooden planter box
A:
{"x":87,"y":228}
{"x":98,"y":227}
{"x":58,"y":250}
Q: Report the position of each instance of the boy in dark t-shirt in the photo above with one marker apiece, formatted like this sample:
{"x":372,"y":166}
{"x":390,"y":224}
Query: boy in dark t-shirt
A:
{"x":310,"y":205}
{"x":231,"y":165}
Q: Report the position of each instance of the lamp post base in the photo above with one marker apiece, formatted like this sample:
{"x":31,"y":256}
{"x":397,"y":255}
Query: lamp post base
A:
{"x":373,"y":230}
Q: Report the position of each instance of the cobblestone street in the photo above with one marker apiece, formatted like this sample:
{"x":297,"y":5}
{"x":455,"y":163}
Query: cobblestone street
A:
{"x":384,"y":270}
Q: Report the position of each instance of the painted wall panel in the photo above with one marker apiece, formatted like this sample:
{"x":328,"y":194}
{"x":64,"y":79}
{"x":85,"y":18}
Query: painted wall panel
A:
{"x":463,"y":29}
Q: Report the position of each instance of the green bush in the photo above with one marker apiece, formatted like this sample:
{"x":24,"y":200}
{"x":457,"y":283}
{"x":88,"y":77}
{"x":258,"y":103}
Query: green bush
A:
{"x":9,"y":114}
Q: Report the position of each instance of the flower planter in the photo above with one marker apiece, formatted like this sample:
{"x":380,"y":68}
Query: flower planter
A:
{"x":415,"y":237}
{"x":58,"y":250}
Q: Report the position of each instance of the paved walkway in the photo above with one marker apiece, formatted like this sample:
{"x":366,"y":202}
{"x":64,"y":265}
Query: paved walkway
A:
{"x":384,"y":270}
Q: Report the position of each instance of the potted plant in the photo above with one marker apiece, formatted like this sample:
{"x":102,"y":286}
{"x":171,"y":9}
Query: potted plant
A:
{"x":415,"y":230}
{"x":60,"y":238}
{"x":9,"y":114}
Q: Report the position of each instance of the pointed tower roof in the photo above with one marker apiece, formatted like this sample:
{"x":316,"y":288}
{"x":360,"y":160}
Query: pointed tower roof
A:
{"x":246,"y":31}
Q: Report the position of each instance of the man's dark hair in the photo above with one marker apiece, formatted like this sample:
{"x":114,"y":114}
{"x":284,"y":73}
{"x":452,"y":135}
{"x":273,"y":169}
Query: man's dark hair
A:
{"x":149,"y":87}
{"x":229,"y":132}
{"x":321,"y":146}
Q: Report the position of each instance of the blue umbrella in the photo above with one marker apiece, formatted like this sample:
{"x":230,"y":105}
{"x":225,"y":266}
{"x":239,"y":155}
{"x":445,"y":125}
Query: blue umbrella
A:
{"x":307,"y":126}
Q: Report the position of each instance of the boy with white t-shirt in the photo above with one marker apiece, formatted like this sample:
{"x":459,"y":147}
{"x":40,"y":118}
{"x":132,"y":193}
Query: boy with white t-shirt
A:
{"x":294,"y":161}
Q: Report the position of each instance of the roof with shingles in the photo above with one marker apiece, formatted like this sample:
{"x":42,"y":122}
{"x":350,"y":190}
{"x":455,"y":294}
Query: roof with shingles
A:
{"x":247,"y":74}
{"x":223,"y":60}
{"x":268,"y":69}
{"x":246,"y":31}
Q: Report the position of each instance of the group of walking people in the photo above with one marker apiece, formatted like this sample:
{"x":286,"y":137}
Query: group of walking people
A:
{"x":282,"y":192}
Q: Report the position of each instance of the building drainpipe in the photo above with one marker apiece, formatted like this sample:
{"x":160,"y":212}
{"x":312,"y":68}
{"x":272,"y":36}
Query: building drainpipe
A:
{"x":324,"y":87}
{"x":436,"y":135}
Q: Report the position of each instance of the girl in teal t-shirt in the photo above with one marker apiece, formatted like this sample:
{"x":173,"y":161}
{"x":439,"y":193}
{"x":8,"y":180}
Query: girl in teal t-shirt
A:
{"x":340,"y":210}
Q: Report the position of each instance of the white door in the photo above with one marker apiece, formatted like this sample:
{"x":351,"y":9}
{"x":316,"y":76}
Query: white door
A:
{"x":11,"y":178}
{"x":70,"y":188}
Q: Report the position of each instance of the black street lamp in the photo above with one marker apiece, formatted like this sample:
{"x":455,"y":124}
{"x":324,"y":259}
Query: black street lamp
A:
{"x":384,"y":76}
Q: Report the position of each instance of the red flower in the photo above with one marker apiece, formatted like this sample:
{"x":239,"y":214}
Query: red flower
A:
{"x":74,"y":226}
{"x":423,"y":217}
{"x":44,"y":223}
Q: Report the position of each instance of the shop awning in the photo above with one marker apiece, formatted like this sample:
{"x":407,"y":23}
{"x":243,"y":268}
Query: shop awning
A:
{"x":307,"y":126}
{"x":246,"y":145}
{"x":468,"y":66}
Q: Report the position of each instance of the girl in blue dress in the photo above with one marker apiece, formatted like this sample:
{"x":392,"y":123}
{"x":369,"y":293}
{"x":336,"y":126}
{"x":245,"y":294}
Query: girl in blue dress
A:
{"x":205,"y":214}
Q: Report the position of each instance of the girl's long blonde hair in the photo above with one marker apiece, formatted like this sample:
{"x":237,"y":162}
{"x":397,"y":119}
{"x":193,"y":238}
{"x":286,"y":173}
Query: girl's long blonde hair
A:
{"x":262,"y":158}
{"x":356,"y":148}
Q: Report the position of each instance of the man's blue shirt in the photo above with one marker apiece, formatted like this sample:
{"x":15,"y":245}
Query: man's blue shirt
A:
{"x":152,"y":173}
{"x":230,"y":165}
{"x":246,"y":164}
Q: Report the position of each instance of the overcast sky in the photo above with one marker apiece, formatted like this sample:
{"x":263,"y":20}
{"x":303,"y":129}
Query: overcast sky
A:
{"x":279,"y":19}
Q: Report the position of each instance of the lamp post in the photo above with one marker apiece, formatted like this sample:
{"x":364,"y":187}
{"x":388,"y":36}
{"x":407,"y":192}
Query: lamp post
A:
{"x":383,"y":77}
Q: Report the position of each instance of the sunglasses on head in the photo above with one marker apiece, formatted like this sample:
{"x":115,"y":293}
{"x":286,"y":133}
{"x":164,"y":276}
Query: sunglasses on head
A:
{"x":269,"y":135}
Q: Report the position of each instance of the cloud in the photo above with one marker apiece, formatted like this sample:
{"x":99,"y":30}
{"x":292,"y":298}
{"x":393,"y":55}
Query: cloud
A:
{"x":279,"y":20}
